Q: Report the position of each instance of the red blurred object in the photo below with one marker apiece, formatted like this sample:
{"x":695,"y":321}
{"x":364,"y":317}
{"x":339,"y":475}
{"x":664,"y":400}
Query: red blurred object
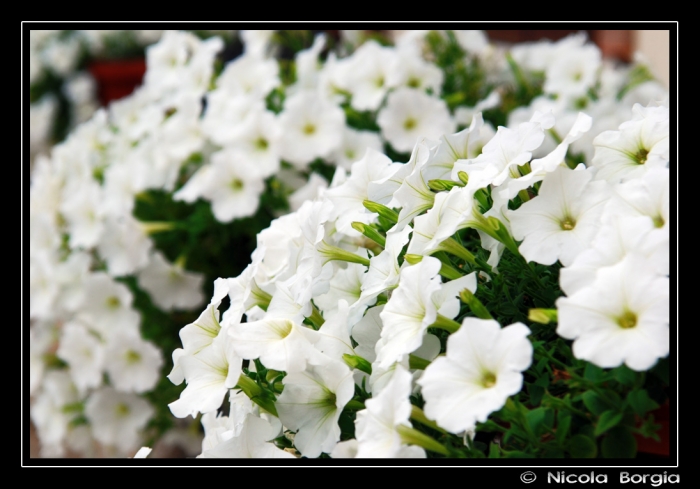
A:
{"x":117,"y":78}
{"x":615,"y":44}
{"x":662,"y":447}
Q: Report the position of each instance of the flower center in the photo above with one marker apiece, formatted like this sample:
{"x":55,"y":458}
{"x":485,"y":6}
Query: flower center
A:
{"x":409,"y":123}
{"x":659,"y":221}
{"x":113,"y":302}
{"x":413,"y":82}
{"x":237,"y":184}
{"x":567,"y":224}
{"x":261,"y":144}
{"x":379,"y":82}
{"x":122,"y":409}
{"x":641,"y":156}
{"x":309,"y":129}
{"x":488,"y":380}
{"x":132,"y":357}
{"x":282,"y":328}
{"x":628,"y":320}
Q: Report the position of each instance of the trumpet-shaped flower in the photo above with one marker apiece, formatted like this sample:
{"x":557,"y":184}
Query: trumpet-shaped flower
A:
{"x":311,"y":128}
{"x":378,"y":427}
{"x":640,"y":144}
{"x":84,"y":354}
{"x":209,"y":375}
{"x":411,"y":114}
{"x":480,"y":370}
{"x":117,"y":418}
{"x":563,"y":219}
{"x":279,"y":343}
{"x":253,"y":441}
{"x":170,"y":286}
{"x":311,"y":404}
{"x":622,"y":317}
{"x":413,"y":307}
{"x":132,"y":363}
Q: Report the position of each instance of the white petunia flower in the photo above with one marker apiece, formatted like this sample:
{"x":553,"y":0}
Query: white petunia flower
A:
{"x":107,"y":306}
{"x":209,"y":375}
{"x":169,"y":285}
{"x":354,"y":146}
{"x":378,"y":427}
{"x":311,"y":403}
{"x":132,"y":363}
{"x":311,"y":128}
{"x":563,"y":219}
{"x":117,"y":418}
{"x":482,"y":367}
{"x":253,"y":441}
{"x":621,"y":317}
{"x":410,"y":114}
{"x":84,"y":355}
{"x":414,"y":306}
{"x":640,"y":144}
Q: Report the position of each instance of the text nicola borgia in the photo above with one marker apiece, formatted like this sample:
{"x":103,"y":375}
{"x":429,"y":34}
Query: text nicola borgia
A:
{"x":654,"y":480}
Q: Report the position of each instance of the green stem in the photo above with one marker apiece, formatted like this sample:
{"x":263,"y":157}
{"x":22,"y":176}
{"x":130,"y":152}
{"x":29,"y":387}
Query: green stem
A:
{"x":476,"y":306}
{"x":354,"y":405}
{"x":411,"y":436}
{"x":334,"y":253}
{"x":256,"y":394}
{"x":450,"y":245}
{"x":370,"y":232}
{"x":316,"y":317}
{"x":418,"y":415}
{"x":449,"y":325}
{"x":382,"y":210}
{"x":354,"y":361}
{"x":417,"y":363}
{"x":518,"y":73}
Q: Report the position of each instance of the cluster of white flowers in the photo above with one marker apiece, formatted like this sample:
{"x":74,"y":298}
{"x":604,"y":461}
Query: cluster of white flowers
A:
{"x":61,"y":55}
{"x":321,"y":302}
{"x":327,"y":306}
{"x":83,"y":235}
{"x":318,"y":294}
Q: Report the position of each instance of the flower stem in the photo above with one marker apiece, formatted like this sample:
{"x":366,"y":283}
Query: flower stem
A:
{"x":418,"y":415}
{"x":411,"y":436}
{"x":447,"y":324}
{"x":256,"y":394}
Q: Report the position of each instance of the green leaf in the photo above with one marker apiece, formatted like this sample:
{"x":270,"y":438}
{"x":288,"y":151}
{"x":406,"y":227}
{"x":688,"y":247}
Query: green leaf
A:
{"x":535,"y":419}
{"x":619,"y":443}
{"x":553,"y":452}
{"x":594,"y":373}
{"x":536,"y":392}
{"x":543,"y":381}
{"x":494,"y":451}
{"x":563,"y":424}
{"x":640,"y":402}
{"x":649,"y":429}
{"x":594,"y":403}
{"x":519,"y":454}
{"x":624,"y":375}
{"x":581,"y":446}
{"x":607,"y":420}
